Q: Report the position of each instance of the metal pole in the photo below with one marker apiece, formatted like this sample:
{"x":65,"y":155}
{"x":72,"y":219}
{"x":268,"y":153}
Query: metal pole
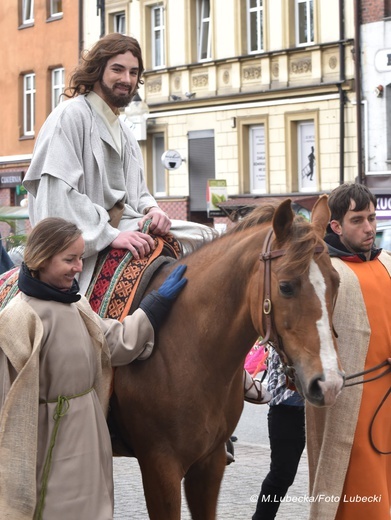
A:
{"x":357,"y":67}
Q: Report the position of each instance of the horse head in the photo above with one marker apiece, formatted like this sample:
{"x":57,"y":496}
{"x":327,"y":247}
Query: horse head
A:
{"x":298,"y":312}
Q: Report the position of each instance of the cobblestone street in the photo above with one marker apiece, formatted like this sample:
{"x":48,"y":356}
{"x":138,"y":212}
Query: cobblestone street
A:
{"x":239,"y":491}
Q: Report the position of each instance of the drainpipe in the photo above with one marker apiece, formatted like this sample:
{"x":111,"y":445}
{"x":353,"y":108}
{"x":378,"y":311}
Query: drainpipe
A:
{"x":341,"y":93}
{"x":357,"y":70}
{"x":81,"y":31}
{"x":100,"y":6}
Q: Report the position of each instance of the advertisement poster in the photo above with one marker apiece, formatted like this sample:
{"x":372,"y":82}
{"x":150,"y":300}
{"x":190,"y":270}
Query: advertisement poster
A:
{"x":258,"y":159}
{"x":307,"y":157}
{"x":215,"y":194}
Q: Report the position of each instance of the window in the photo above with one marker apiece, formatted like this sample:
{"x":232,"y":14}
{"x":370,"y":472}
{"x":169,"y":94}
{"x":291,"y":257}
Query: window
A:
{"x":159,"y":173}
{"x":255,"y":25}
{"x":55,"y":8}
{"x":157,"y":24}
{"x":27,"y":11}
{"x":203,"y":32}
{"x":306,"y":155}
{"x":58,"y":85}
{"x":304,"y":22}
{"x":28,"y":104}
{"x":119,"y":23}
{"x":257,"y":159}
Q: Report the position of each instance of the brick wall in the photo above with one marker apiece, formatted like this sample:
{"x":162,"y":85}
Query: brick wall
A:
{"x":374,"y":10}
{"x":177,"y":209}
{"x":5,"y":197}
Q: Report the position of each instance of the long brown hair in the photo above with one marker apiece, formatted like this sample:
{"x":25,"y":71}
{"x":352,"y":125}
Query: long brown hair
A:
{"x":48,"y":238}
{"x":93,"y":62}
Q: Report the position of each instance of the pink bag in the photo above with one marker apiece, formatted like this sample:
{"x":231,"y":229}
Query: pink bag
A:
{"x":255,"y":361}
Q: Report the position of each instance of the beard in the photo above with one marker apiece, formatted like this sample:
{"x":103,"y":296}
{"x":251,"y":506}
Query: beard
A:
{"x":115,"y":100}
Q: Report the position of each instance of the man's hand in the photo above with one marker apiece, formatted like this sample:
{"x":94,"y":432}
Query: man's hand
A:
{"x":139,"y":244}
{"x":160,"y":224}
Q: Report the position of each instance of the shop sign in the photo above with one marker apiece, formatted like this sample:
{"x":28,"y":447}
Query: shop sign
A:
{"x":383,"y":208}
{"x":10,"y":179}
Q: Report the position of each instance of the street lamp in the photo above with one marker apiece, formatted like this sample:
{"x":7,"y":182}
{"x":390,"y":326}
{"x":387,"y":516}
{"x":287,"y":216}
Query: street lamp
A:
{"x":136,"y":115}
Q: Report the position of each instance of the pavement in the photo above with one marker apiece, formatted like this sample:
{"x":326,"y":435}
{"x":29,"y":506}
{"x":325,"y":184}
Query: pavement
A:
{"x":239,"y":489}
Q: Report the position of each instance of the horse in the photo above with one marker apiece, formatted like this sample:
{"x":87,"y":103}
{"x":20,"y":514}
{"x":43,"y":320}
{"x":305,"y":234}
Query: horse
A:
{"x":269,"y":276}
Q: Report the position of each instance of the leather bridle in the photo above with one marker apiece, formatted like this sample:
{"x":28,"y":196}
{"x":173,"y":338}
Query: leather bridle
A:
{"x":267,"y":256}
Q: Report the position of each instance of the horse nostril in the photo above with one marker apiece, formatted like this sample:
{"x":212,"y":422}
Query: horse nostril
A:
{"x":315,"y":390}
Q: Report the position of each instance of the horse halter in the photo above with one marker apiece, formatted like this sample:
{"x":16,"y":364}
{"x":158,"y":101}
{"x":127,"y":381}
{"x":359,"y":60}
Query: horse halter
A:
{"x":267,"y":256}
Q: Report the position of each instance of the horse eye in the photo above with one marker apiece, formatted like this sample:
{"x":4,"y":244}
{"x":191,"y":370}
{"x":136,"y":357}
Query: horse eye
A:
{"x":286,"y":289}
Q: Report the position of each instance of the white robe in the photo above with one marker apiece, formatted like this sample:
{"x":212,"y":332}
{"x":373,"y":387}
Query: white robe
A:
{"x":77,"y":173}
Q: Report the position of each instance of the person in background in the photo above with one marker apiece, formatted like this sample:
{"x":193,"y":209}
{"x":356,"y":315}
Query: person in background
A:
{"x":87,"y":166}
{"x":5,"y":261}
{"x":347,"y":444}
{"x":286,"y":424}
{"x":56,"y":356}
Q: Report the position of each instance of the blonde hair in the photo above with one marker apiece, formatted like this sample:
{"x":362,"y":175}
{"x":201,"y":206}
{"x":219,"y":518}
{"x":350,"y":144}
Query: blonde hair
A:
{"x":48,"y":238}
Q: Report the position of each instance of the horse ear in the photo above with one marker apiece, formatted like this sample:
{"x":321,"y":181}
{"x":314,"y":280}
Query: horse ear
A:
{"x":282,"y":220}
{"x":320,"y":216}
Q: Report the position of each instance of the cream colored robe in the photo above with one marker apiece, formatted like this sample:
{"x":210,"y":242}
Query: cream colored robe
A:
{"x":330,"y":431}
{"x":49,"y":349}
{"x":77,"y":173}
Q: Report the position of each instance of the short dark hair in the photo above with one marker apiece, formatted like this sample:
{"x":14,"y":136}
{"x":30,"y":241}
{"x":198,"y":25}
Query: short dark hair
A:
{"x":340,"y":199}
{"x":93,"y":62}
{"x":48,"y":238}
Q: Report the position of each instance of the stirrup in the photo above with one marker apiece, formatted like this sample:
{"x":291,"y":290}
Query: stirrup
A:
{"x":263,"y":396}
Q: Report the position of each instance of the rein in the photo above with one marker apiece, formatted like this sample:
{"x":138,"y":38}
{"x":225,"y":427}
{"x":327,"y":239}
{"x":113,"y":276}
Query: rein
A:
{"x":386,"y":363}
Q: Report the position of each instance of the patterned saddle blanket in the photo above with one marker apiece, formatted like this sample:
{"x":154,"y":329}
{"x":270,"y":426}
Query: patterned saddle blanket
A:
{"x":119,"y":281}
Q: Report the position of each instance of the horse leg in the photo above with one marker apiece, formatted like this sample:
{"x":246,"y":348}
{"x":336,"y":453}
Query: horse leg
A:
{"x":162,"y":478}
{"x":202,"y":485}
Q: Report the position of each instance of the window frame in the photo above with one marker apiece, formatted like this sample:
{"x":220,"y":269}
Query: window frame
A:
{"x":292,"y":120}
{"x":52,"y":12}
{"x":27,"y":5}
{"x":309,"y":19}
{"x":155,"y":41}
{"x":159,"y":174}
{"x":119,"y":19}
{"x":57,"y":86}
{"x":259,"y":9}
{"x":29,"y":105}
{"x":203,"y":22}
{"x":244,"y":124}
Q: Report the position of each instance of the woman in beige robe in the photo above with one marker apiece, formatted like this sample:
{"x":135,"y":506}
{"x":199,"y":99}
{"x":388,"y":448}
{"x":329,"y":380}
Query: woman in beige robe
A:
{"x":55,"y":370}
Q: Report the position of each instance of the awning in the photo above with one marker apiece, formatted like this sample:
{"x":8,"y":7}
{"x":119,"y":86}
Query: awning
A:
{"x":13,"y":213}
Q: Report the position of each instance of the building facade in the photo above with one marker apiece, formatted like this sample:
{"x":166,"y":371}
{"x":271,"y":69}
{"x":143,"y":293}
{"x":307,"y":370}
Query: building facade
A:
{"x":375,"y":38}
{"x":259,"y":96}
{"x":40,"y":42}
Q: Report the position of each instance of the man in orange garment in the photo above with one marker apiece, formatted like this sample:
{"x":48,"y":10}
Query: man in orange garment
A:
{"x":350,"y":477}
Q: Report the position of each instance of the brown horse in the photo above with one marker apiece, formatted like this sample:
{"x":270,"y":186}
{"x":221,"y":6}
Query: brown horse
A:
{"x":177,"y":410}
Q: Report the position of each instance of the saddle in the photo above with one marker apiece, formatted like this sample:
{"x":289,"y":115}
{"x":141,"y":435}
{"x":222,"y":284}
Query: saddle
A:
{"x":119,"y":280}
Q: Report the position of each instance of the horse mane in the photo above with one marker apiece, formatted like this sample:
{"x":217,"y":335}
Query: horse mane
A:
{"x":299,"y":245}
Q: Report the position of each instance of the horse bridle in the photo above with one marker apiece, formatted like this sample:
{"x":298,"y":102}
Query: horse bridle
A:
{"x":267,"y":256}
